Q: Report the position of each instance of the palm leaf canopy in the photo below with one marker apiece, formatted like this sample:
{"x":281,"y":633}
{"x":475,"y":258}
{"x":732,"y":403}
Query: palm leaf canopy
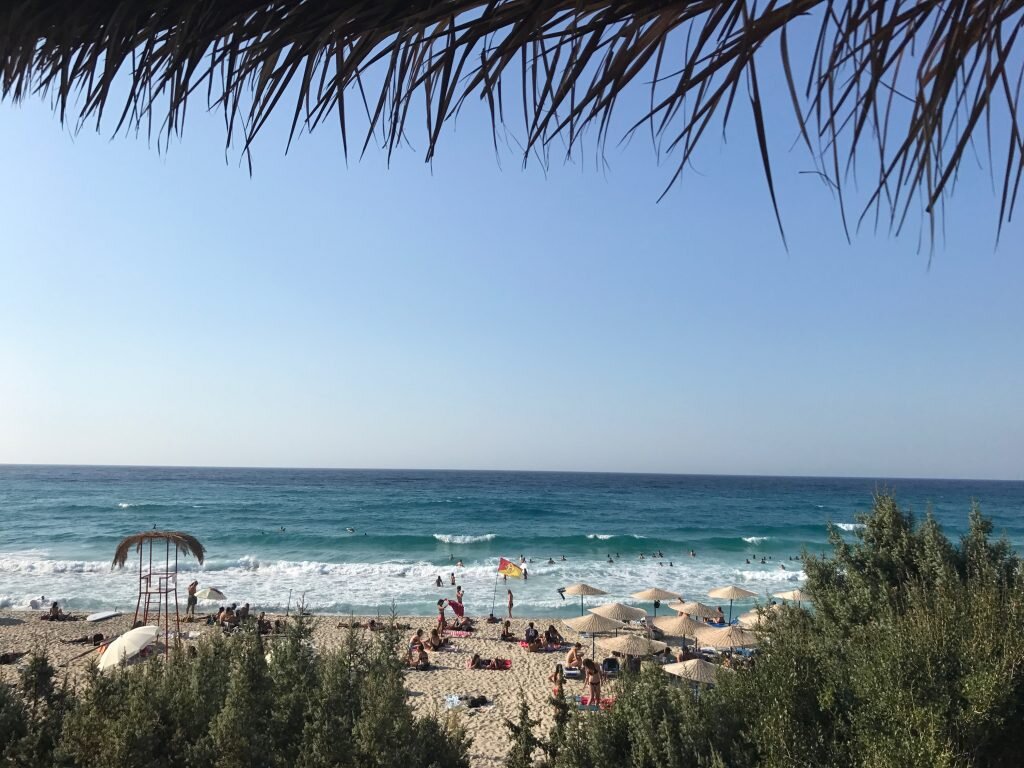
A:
{"x":184,"y":543}
{"x":908,"y":83}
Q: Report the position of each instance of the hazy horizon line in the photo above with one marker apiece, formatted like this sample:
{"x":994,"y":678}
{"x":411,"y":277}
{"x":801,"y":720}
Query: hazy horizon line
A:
{"x":876,"y":478}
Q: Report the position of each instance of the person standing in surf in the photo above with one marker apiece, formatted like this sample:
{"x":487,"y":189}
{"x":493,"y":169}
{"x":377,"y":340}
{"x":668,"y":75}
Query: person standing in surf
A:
{"x":458,"y":594}
{"x":190,"y":608}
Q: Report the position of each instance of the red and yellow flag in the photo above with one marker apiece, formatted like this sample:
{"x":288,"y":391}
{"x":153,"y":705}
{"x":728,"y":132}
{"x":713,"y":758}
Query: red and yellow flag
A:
{"x":508,"y":568}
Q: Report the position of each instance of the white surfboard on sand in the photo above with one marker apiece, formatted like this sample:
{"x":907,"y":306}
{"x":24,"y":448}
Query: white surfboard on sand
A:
{"x":102,"y":615}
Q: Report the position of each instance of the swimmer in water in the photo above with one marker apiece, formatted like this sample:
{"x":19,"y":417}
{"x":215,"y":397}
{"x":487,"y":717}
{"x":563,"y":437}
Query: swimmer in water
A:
{"x":459,"y":564}
{"x":563,"y":558}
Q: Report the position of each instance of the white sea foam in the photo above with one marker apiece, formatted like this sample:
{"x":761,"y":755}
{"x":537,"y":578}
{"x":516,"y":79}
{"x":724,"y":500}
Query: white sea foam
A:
{"x":601,"y":536}
{"x":124,"y":505}
{"x":849,"y":526}
{"x":454,"y":538}
{"x":756,"y":539}
{"x":369,"y":587}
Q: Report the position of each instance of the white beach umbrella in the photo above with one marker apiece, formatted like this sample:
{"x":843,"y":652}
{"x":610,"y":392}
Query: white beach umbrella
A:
{"x":730,"y":593}
{"x":633,"y":645}
{"x":619,"y":612}
{"x":593,"y":623}
{"x":128,"y":645}
{"x":656,"y":596}
{"x":211,"y":593}
{"x":697,"y":670}
{"x":581,"y":590}
{"x":727,"y":637}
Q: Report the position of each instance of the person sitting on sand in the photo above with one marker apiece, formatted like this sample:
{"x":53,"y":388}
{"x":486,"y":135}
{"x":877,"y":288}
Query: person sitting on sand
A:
{"x":436,"y":641}
{"x":574,"y":658}
{"x":720,"y":615}
{"x":263,"y":624}
{"x":552,"y":638}
{"x":534,"y":643}
{"x":506,"y":633}
{"x":278,"y":626}
{"x":416,"y":642}
{"x":463,"y":624}
{"x":55,"y":614}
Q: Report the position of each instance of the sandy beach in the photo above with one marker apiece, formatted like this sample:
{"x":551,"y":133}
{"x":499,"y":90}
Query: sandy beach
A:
{"x":527,"y":679}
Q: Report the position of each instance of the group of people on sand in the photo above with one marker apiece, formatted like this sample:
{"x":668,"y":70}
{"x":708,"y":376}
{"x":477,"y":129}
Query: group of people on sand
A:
{"x":536,"y":642}
{"x":418,"y":657}
{"x":593,"y":675}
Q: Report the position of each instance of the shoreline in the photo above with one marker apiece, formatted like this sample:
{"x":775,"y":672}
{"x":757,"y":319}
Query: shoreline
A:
{"x":23,"y":631}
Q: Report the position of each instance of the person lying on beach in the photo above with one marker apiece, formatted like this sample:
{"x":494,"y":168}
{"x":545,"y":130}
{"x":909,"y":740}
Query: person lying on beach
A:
{"x":477,"y":663}
{"x":506,"y":633}
{"x":552,"y":638}
{"x":93,"y":640}
{"x":574,"y":659}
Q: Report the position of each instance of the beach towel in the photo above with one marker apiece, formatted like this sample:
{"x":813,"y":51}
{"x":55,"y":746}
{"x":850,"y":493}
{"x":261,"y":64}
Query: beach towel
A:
{"x":457,"y":608}
{"x":604,"y":703}
{"x":458,"y":633}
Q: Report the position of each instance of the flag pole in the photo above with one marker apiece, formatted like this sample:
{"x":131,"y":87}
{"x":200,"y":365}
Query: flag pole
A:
{"x":494,"y":596}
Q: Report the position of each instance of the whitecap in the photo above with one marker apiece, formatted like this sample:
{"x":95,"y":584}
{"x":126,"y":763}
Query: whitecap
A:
{"x":454,"y":538}
{"x":756,"y":539}
{"x":849,"y":526}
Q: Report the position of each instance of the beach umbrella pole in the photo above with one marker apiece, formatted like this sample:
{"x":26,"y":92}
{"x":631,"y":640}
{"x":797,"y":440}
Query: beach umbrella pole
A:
{"x":581,"y":605}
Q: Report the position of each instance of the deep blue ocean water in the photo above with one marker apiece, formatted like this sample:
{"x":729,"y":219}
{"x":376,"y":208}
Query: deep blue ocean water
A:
{"x":273,"y":535}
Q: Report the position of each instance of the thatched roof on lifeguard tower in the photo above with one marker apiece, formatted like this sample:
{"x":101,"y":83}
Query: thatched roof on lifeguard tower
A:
{"x":185,"y":544}
{"x":899,"y":91}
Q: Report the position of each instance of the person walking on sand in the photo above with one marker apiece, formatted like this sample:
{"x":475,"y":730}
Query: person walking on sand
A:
{"x":190,"y":609}
{"x":510,"y":603}
{"x":440,"y":616}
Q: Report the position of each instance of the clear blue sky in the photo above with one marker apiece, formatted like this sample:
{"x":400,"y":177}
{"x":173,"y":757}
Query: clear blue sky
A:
{"x":171,"y":309}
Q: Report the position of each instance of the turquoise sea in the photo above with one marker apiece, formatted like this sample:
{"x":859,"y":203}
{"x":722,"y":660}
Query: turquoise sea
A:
{"x":275,"y":535}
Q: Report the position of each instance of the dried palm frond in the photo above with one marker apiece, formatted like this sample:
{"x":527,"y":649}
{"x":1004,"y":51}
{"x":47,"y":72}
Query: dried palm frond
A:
{"x":183,"y":542}
{"x":911,"y":83}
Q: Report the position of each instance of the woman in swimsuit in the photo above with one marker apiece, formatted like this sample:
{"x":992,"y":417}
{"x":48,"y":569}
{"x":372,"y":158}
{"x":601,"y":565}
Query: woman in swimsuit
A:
{"x":593,"y":681}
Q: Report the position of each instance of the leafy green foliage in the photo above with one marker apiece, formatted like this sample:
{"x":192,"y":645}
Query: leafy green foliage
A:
{"x":238,"y":702}
{"x":913,"y":656}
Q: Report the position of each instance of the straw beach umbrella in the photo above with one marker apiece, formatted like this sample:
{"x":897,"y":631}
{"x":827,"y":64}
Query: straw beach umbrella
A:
{"x":656,"y":596}
{"x":727,"y":637}
{"x":593,"y":624}
{"x":697,"y":671}
{"x":731,"y":593}
{"x":619,"y":612}
{"x":679,"y":626}
{"x":693,"y":608}
{"x":796,"y":595}
{"x":581,"y":590}
{"x":304,"y":59}
{"x":756,"y":616}
{"x":633,"y":645}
